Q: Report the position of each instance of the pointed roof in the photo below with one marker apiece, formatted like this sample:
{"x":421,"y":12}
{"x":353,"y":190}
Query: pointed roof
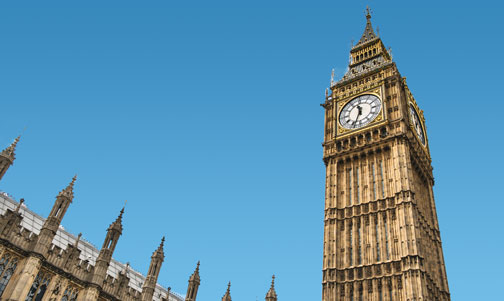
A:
{"x":195,"y":276}
{"x":160,"y":250}
{"x":117,"y":224}
{"x":9,"y":151}
{"x":369,"y":33}
{"x":227,"y":295}
{"x":68,"y":191}
{"x":271,"y":295}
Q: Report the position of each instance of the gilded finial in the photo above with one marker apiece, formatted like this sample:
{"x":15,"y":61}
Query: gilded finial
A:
{"x":368,"y":12}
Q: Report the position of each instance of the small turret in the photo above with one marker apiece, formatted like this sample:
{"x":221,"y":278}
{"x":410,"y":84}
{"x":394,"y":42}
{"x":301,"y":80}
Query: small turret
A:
{"x":114,"y":231}
{"x":7,"y":157}
{"x":194,"y":282}
{"x":54,"y":219}
{"x":271,"y":295}
{"x":227,"y":295}
{"x":155,"y":266}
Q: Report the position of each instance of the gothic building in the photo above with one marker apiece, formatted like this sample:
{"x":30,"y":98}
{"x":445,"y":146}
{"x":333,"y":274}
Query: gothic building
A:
{"x":381,"y":233}
{"x":40,"y":261}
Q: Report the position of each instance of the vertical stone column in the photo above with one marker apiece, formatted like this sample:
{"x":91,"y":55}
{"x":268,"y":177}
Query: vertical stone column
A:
{"x":89,"y":294}
{"x":22,"y":280}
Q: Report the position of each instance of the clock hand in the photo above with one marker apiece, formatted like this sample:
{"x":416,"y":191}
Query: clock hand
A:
{"x":358,"y":114}
{"x":359,"y":109}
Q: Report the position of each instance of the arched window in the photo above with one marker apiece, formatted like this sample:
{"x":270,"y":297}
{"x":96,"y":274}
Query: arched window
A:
{"x":70,"y":294}
{"x":8,"y":265}
{"x":39,"y":287}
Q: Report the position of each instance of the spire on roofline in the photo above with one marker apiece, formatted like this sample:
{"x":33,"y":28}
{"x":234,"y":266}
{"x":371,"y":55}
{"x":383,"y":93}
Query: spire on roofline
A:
{"x":227,"y":295}
{"x":369,"y":33}
{"x":160,"y":250}
{"x":117,"y":224}
{"x":195,"y":276}
{"x":68,"y":191}
{"x":9,"y":150}
{"x":271,"y":295}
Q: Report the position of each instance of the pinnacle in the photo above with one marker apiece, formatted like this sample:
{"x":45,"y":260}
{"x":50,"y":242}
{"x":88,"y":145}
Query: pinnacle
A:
{"x":369,"y":33}
{"x":159,"y":251}
{"x":227,"y":295}
{"x":271,"y":295}
{"x":195,"y":276}
{"x":78,"y":239}
{"x":117,"y":224}
{"x":9,"y":151}
{"x":21,"y":201}
{"x":68,"y":191}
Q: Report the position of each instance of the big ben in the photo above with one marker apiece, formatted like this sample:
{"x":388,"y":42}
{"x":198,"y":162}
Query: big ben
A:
{"x":381,"y":234}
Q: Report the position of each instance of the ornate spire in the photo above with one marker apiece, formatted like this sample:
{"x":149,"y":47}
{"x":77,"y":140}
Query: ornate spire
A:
{"x":227,"y":295}
{"x":117,"y":224}
{"x":160,"y":250}
{"x":195,"y":276}
{"x":368,"y":31}
{"x":271,"y":295}
{"x":9,"y":151}
{"x":68,"y":191}
{"x":192,"y":288}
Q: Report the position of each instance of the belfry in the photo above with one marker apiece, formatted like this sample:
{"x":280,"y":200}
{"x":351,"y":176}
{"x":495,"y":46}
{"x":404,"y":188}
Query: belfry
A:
{"x":381,"y":234}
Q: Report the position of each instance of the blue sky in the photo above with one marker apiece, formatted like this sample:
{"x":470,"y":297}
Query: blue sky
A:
{"x":205,"y":116}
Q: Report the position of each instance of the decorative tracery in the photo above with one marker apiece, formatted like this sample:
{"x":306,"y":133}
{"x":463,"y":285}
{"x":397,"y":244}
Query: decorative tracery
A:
{"x":8,"y":264}
{"x":39,"y":287}
{"x":70,"y":294}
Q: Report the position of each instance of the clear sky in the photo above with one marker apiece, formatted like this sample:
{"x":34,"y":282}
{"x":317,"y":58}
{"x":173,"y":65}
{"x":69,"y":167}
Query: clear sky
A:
{"x":205,"y":116}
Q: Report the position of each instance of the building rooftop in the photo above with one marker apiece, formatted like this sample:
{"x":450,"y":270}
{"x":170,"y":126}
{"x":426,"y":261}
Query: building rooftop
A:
{"x":33,"y":222}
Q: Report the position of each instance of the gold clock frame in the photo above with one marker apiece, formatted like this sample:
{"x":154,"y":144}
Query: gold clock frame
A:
{"x":380,"y":119}
{"x":422,"y":120}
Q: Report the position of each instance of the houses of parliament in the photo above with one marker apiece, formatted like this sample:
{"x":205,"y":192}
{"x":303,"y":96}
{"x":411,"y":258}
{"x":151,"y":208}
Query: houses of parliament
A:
{"x":381,"y":234}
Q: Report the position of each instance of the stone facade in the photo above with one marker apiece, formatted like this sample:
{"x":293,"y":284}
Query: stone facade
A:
{"x":40,"y":261}
{"x":381,"y":234}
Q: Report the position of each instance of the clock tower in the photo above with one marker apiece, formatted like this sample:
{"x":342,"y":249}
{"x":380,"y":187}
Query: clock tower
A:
{"x":381,"y":234}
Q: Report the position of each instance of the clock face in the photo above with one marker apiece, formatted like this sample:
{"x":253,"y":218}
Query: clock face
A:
{"x":417,"y":124}
{"x":360,"y":111}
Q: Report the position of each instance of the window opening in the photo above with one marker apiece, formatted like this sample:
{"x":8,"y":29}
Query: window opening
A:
{"x":38,"y":287}
{"x":386,"y":237}
{"x":8,"y":266}
{"x":350,"y":229}
{"x":377,"y":237}
{"x":374,"y":180}
{"x":350,"y":184}
{"x":358,"y":184}
{"x":382,"y":181}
